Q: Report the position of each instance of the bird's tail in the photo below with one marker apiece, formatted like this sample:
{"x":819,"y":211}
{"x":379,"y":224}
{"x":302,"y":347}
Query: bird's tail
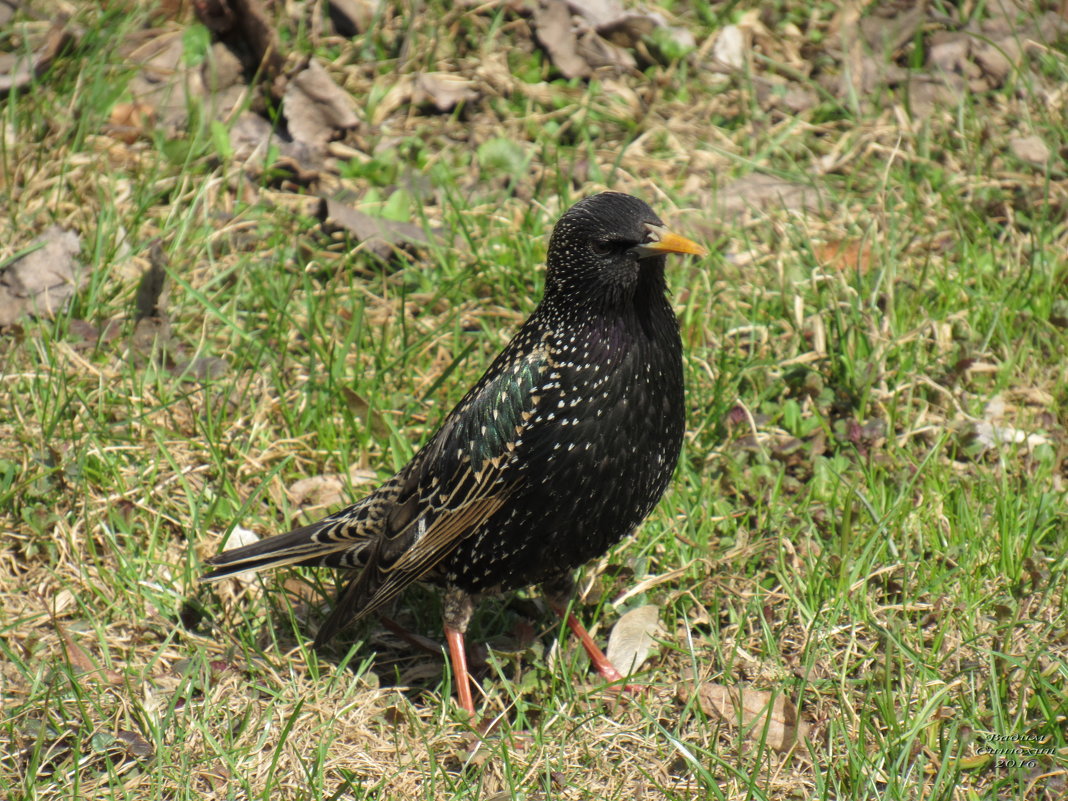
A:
{"x":335,"y":541}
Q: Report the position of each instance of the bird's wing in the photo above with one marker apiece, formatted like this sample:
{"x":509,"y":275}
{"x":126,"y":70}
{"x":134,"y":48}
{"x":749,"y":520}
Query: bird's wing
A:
{"x":462,"y":477}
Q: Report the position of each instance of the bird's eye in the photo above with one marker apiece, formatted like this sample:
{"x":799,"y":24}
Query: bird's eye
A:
{"x":604,"y":248}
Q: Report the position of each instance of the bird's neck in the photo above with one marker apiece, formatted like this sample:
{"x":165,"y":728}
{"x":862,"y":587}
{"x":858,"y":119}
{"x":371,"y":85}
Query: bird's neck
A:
{"x":585,"y":298}
{"x":641,"y":311}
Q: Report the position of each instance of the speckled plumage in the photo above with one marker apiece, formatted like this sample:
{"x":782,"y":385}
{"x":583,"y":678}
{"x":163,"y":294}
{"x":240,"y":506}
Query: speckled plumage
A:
{"x":563,"y":446}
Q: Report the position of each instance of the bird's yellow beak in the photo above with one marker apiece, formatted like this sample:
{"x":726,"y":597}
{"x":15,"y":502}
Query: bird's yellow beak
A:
{"x":665,"y":241}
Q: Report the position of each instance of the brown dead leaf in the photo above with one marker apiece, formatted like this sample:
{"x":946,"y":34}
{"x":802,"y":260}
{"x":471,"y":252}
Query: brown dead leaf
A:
{"x":82,"y":663}
{"x":597,"y":12}
{"x":891,"y":25}
{"x":148,"y":300}
{"x":151,"y":338}
{"x":762,"y":716}
{"x":628,"y":30}
{"x":239,"y":537}
{"x":17,"y":70}
{"x":252,"y":137}
{"x":44,"y":279}
{"x":949,"y":51}
{"x":730,"y":48}
{"x":866,"y":60}
{"x":1030,"y":149}
{"x":136,"y":745}
{"x":352,"y":17}
{"x":300,"y":590}
{"x":998,"y":59}
{"x":633,"y":638}
{"x":83,"y":335}
{"x":982,"y":64}
{"x":222,"y":70}
{"x":362,"y":411}
{"x":316,"y":108}
{"x":554,"y":32}
{"x":199,"y":368}
{"x":129,"y":122}
{"x":361,"y":475}
{"x":378,"y":235}
{"x":847,"y":255}
{"x":930,"y":93}
{"x":165,"y":84}
{"x":443,"y":90}
{"x":604,"y":33}
{"x":598,"y":52}
{"x":245,"y":25}
{"x":790,"y":96}
{"x":317,"y":492}
{"x":759,"y":192}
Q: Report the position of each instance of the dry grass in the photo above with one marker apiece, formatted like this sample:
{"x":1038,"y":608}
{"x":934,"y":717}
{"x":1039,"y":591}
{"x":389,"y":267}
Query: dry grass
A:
{"x":869,"y":517}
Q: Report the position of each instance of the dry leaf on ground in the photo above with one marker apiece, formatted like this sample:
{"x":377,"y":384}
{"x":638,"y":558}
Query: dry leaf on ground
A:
{"x":597,"y":12}
{"x":316,"y":108}
{"x":18,"y":70}
{"x":764,"y":193}
{"x":553,"y":30}
{"x":844,"y":255}
{"x":128,"y":122}
{"x":730,"y":48}
{"x":633,"y":638}
{"x":443,"y":90}
{"x":352,"y":17}
{"x":240,"y":537}
{"x":1030,"y":149}
{"x":164,"y":86}
{"x":763,"y":716}
{"x":82,"y":662}
{"x":891,"y":25}
{"x":377,"y":234}
{"x":252,"y":137}
{"x":148,"y":302}
{"x":41,"y":282}
{"x":599,"y":52}
{"x":136,"y":745}
{"x":317,"y":492}
{"x":244,"y":24}
{"x":629,"y":29}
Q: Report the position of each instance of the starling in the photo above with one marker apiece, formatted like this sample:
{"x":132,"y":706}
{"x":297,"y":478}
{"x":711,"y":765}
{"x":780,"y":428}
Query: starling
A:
{"x":560,"y":450}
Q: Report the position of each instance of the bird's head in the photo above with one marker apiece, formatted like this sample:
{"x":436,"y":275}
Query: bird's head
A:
{"x":607,"y":245}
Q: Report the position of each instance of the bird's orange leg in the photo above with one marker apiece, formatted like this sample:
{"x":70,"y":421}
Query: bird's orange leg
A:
{"x":457,"y":607}
{"x":597,"y":656}
{"x":600,"y":662}
{"x":458,"y":655}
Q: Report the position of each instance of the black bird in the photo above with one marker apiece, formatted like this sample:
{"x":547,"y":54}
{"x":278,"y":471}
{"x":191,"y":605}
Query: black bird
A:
{"x":560,"y":450}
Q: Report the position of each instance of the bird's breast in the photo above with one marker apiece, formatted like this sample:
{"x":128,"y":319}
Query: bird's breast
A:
{"x":592,"y":458}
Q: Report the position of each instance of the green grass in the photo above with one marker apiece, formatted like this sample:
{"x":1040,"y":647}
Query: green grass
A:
{"x":837,"y":532}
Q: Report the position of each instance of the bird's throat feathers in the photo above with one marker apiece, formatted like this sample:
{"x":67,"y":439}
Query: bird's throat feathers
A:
{"x":636,"y":287}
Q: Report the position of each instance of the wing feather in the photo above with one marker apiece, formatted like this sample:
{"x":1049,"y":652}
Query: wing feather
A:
{"x":452,"y":487}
